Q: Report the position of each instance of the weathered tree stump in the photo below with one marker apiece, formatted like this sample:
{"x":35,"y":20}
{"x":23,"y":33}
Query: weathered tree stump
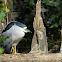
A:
{"x":39,"y":41}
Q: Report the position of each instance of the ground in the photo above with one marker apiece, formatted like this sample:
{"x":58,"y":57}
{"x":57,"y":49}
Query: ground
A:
{"x":31,"y":57}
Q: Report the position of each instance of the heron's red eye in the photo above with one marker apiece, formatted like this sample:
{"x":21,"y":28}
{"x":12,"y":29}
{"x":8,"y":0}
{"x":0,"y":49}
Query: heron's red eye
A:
{"x":21,"y":27}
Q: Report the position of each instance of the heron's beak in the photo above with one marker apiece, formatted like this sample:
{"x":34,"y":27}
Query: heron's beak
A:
{"x":27,"y":30}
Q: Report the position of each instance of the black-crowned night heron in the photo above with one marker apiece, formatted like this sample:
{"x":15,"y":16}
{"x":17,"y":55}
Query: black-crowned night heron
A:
{"x":12,"y":35}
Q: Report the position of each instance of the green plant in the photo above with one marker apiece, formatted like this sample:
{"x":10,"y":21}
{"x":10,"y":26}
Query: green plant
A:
{"x":1,"y":50}
{"x":30,"y":1}
{"x":54,"y":26}
{"x":51,"y":2}
{"x":0,"y":59}
{"x":1,"y":40}
{"x":2,"y":15}
{"x":3,"y":7}
{"x":55,"y":11}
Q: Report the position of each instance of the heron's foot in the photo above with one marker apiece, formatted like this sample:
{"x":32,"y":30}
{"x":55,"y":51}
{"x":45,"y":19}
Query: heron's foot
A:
{"x":16,"y":53}
{"x":13,"y":50}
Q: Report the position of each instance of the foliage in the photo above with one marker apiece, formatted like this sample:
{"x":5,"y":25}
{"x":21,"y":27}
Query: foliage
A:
{"x":3,"y":7}
{"x":1,"y":1}
{"x":51,"y":3}
{"x":2,"y":15}
{"x":52,"y":16}
{"x":55,"y":11}
{"x":0,"y":59}
{"x":1,"y":39}
{"x":1,"y":50}
{"x":7,"y":38}
{"x":30,"y":1}
{"x":54,"y":26}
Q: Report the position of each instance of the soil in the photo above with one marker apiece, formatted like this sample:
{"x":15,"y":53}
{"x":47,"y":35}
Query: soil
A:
{"x":31,"y":57}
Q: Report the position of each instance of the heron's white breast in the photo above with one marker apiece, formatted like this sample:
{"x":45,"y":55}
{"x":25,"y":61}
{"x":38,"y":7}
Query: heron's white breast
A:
{"x":17,"y":33}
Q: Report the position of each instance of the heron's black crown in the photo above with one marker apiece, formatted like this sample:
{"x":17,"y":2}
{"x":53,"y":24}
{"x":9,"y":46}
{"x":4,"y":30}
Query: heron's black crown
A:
{"x":13,"y":23}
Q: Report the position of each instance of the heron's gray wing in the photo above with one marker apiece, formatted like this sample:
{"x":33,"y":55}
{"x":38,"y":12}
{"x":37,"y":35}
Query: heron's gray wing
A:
{"x":7,"y":43}
{"x":8,"y":27}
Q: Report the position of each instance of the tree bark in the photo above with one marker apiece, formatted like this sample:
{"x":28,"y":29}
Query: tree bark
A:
{"x":1,"y":27}
{"x":39,"y":41}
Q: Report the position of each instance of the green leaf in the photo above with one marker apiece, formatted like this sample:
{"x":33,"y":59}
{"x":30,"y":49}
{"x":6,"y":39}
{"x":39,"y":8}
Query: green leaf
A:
{"x":1,"y":1}
{"x":54,"y":26}
{"x":0,"y":58}
{"x":1,"y":40}
{"x":44,"y":1}
{"x":47,"y":2}
{"x":51,"y":26}
{"x":7,"y":10}
{"x":7,"y":38}
{"x":54,"y":16}
{"x":32,"y":2}
{"x":1,"y":50}
{"x":2,"y":15}
{"x":56,"y":4}
{"x":1,"y":6}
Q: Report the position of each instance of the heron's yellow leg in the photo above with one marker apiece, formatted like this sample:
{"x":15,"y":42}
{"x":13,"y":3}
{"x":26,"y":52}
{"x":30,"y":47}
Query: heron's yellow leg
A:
{"x":12,"y":50}
{"x":15,"y":49}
